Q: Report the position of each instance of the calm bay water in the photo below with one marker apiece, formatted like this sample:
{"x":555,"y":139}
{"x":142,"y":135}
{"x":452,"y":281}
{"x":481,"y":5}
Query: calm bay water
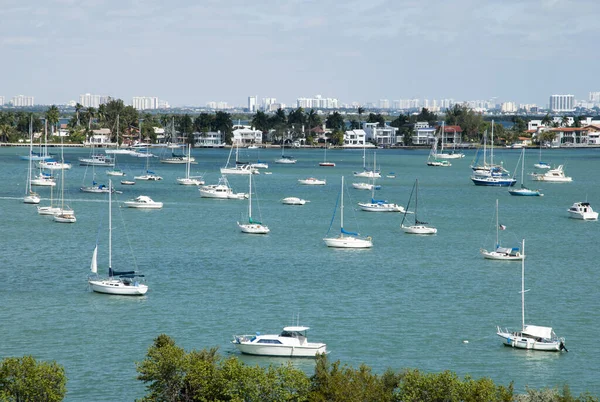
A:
{"x":409,"y":302}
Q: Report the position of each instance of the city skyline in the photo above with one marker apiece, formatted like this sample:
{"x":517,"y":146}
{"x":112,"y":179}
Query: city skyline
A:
{"x":356,"y":52}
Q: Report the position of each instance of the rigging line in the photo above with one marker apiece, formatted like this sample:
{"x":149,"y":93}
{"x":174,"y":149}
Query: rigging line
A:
{"x":334,"y":212}
{"x":127,"y":237}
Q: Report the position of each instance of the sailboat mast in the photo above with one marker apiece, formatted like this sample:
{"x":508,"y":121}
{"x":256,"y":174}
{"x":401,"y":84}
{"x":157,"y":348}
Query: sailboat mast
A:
{"x":416,"y":200}
{"x":342,"y":206}
{"x":250,"y":200}
{"x":523,"y":287}
{"x":110,"y":224}
{"x":443,"y":129}
{"x":492,"y":146}
{"x":497,"y":227}
{"x":28,"y":187}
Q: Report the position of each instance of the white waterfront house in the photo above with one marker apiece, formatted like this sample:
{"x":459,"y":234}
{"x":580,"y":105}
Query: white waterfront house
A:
{"x":210,"y":139}
{"x":99,"y":137}
{"x":355,"y":139}
{"x":423,"y":134}
{"x":246,"y":135}
{"x":382,"y":136}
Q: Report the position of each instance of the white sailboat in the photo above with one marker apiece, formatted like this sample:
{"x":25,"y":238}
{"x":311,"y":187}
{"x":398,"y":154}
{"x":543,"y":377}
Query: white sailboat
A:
{"x":541,"y":164}
{"x":325,"y":163}
{"x":123,"y":283}
{"x":237,"y":168}
{"x":285,"y":159}
{"x":418,"y":227}
{"x":43,"y":179}
{"x":502,"y":253}
{"x":148,"y":175}
{"x":66,"y":213}
{"x":253,"y":226}
{"x":523,"y":191}
{"x":31,"y":197}
{"x":371,"y":173}
{"x":116,"y":171}
{"x":190,"y":180}
{"x":379,"y":205}
{"x":432,"y":159}
{"x":49,"y":209}
{"x":533,"y":337}
{"x":446,"y":155}
{"x":346,"y":239}
{"x":175,"y":158}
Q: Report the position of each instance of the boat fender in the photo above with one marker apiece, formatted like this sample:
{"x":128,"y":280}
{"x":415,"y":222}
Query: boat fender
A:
{"x":369,"y":238}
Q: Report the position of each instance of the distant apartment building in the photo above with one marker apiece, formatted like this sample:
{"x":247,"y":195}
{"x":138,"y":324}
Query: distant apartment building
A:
{"x":384,"y":104}
{"x":217,"y":105}
{"x":318,"y":102}
{"x":22,"y":101}
{"x":145,"y":103}
{"x":508,"y":107}
{"x":594,"y":97}
{"x":89,"y":100}
{"x":1,"y":100}
{"x":266,"y":103}
{"x":252,"y":104}
{"x":562,"y":103}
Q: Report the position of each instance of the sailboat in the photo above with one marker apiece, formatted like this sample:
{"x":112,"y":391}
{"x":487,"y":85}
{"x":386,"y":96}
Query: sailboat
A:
{"x":502,"y":253}
{"x":253,"y":226}
{"x":148,"y":175}
{"x":523,"y":191}
{"x":541,"y":164}
{"x":65,"y":214}
{"x":31,"y":197}
{"x":533,"y":337}
{"x":285,"y":159}
{"x":325,"y":163}
{"x":490,"y":174}
{"x":418,"y":227}
{"x":346,"y":239}
{"x":124,"y":283}
{"x":237,"y":168}
{"x":372,"y":173}
{"x":49,"y":209}
{"x":378,"y":205}
{"x":95,"y":187}
{"x":446,"y":155}
{"x":190,"y":180}
{"x":432,"y":159}
{"x":43,"y":178}
{"x":116,"y":171}
{"x":176,"y":158}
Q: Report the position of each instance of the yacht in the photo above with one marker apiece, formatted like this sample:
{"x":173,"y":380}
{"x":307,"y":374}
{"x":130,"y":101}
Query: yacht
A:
{"x":143,"y":202}
{"x":556,"y":175}
{"x":582,"y":210}
{"x":97,"y":160}
{"x":292,"y":342}
{"x":221,"y":190}
{"x":293,"y":201}
{"x":311,"y":181}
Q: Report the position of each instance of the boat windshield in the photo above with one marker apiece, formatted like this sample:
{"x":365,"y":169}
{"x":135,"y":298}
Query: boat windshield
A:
{"x":293,"y":334}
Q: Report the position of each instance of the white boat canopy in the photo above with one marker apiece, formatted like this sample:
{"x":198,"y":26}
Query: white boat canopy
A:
{"x":295,"y":329}
{"x":541,"y":332}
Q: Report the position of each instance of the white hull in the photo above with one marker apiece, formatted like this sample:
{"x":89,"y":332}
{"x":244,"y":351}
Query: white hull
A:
{"x":542,"y":166}
{"x":369,"y":207}
{"x":367,"y":173}
{"x":143,"y":205}
{"x":48,"y":210}
{"x":493,"y":255}
{"x":259,"y":165}
{"x":119,"y":151}
{"x":115,"y":173}
{"x":312,"y":182}
{"x":98,"y":161}
{"x":516,"y":340}
{"x":293,"y":201}
{"x":31,"y":199}
{"x":253,"y":228}
{"x":65,"y":218}
{"x":348,"y":242}
{"x":449,"y":156}
{"x":117,"y":287}
{"x":285,"y":161}
{"x":552,"y":179}
{"x":94,"y":189}
{"x":54,"y":165}
{"x":281,"y":350}
{"x":43,"y":182}
{"x":190,"y":181}
{"x":148,"y":177}
{"x":177,"y":161}
{"x":419,"y":229}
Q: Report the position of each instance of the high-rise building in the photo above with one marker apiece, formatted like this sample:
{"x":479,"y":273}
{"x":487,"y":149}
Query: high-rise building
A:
{"x":318,"y":102}
{"x":252,"y":103}
{"x":1,"y":100}
{"x":384,"y":104}
{"x":594,"y":97}
{"x":562,"y":103}
{"x":22,"y":100}
{"x":89,"y":100}
{"x":145,"y":102}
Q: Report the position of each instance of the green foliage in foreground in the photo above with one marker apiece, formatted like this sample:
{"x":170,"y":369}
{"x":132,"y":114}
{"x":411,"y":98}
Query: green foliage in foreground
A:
{"x":26,"y":380}
{"x":173,"y":375}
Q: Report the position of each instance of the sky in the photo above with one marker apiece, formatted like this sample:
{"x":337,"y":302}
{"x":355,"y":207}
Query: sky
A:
{"x":190,"y":52}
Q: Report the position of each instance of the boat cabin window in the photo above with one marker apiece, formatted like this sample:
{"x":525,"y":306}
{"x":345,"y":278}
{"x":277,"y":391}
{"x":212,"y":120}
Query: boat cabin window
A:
{"x":292,"y":334}
{"x":275,"y":341}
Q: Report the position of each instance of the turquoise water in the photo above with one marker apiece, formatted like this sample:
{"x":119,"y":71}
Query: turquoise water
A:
{"x":409,"y":302}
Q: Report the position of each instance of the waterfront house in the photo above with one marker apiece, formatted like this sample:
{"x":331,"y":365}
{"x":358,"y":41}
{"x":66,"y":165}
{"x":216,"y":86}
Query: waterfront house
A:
{"x":382,"y":136}
{"x":423,"y":134}
{"x":210,"y":139}
{"x":246,"y":135}
{"x":355,"y":139}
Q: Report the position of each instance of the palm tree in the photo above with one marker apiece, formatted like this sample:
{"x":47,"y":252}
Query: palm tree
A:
{"x":546,"y":120}
{"x":565,"y":121}
{"x":52,"y":116}
{"x":360,"y":113}
{"x":78,"y":108}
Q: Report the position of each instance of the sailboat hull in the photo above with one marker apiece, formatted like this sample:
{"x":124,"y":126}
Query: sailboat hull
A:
{"x":516,"y":340}
{"x":347,"y":242}
{"x":419,"y":229}
{"x":495,"y":255}
{"x":118,"y":287}
{"x":253,"y":228}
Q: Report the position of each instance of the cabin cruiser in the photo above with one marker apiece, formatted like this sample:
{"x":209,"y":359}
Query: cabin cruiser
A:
{"x":143,"y":202}
{"x":582,"y":210}
{"x":311,"y":181}
{"x":293,"y":201}
{"x":556,"y":175}
{"x":292,"y":342}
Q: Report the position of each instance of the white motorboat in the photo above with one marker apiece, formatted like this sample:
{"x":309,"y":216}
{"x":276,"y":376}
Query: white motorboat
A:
{"x":115,"y":172}
{"x":143,"y":202}
{"x":221,"y":190}
{"x":418,"y":227}
{"x":252,"y":226}
{"x":123,"y":283}
{"x":366,"y":186}
{"x":346,"y":239}
{"x":52,"y":164}
{"x":556,"y":175}
{"x":582,"y":210}
{"x":311,"y":181}
{"x":127,"y":182}
{"x":293,"y":201}
{"x":292,"y":342}
{"x":97,"y":160}
{"x":43,"y":180}
{"x":502,"y":253}
{"x":532,"y":337}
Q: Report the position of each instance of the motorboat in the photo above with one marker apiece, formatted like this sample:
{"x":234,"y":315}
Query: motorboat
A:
{"x":286,"y":160}
{"x":582,"y":210}
{"x":221,"y":190}
{"x":115,"y":172}
{"x":293,"y":201}
{"x":97,"y":160}
{"x":366,"y":186}
{"x":143,"y":202}
{"x":122,"y":283}
{"x":556,"y":175}
{"x":381,"y":206}
{"x":291,"y":342}
{"x":439,"y":163}
{"x":311,"y":181}
{"x":52,"y":164}
{"x":501,"y":253}
{"x":346,"y":239}
{"x":149,"y":176}
{"x":391,"y":175}
{"x":532,"y":337}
